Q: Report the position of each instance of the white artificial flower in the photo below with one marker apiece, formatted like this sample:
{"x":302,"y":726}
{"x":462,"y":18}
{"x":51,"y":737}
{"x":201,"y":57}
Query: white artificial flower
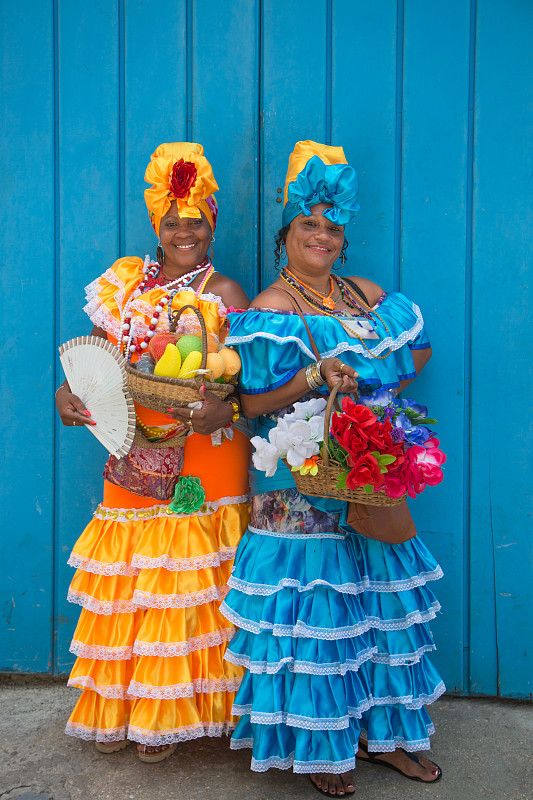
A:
{"x":266,"y":456}
{"x":310,"y":408}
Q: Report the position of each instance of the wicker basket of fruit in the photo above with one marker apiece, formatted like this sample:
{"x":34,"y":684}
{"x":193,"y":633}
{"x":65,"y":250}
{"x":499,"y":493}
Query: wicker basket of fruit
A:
{"x":182,"y":366}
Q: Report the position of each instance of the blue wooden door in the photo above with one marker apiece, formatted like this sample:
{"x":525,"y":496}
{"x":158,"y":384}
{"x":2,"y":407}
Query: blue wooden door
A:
{"x":433,"y":105}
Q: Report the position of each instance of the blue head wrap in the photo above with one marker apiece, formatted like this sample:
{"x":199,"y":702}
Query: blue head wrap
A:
{"x":323,"y":183}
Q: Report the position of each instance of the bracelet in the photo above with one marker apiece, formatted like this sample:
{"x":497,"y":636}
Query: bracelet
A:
{"x":60,"y":387}
{"x":236,"y":411}
{"x":313,"y":376}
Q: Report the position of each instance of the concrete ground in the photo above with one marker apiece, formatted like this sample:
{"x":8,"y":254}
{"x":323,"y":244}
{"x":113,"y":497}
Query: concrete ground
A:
{"x":483,"y":746}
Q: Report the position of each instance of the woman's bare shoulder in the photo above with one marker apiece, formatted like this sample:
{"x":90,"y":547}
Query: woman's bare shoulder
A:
{"x":372,"y":291}
{"x":274,"y":298}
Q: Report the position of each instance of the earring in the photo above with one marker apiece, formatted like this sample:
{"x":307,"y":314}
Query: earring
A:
{"x":279,"y":249}
{"x":212,"y":239}
{"x":160,"y":254}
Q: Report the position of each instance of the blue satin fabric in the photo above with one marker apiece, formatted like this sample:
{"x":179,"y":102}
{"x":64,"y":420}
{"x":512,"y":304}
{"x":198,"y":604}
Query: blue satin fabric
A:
{"x":279,"y":343}
{"x":333,"y":627}
{"x":323,"y":183}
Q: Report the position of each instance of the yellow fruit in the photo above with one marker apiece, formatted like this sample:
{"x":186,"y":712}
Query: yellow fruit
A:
{"x":188,"y":344}
{"x":215,"y":363}
{"x":169,"y":364}
{"x":190,"y":365}
{"x":232,"y":361}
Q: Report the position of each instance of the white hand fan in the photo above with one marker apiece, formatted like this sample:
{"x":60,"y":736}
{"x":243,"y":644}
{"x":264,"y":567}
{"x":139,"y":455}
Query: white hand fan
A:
{"x":95,"y":371}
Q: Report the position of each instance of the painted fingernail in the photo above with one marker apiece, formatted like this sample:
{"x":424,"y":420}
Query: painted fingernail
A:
{"x":87,"y":413}
{"x":170,"y":410}
{"x":92,"y":423}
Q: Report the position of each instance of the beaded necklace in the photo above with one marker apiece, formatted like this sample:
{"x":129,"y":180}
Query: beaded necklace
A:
{"x":327,"y":300}
{"x":151,"y":272}
{"x":349,"y":298}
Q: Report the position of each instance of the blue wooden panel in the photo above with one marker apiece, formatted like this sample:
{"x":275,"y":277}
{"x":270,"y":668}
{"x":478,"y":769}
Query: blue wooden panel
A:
{"x":225,"y":108}
{"x":433,"y":270}
{"x":27,"y":379}
{"x":364,"y":123}
{"x":89,"y":239}
{"x":293,"y":98}
{"x":501,"y":355}
{"x":155,"y":104}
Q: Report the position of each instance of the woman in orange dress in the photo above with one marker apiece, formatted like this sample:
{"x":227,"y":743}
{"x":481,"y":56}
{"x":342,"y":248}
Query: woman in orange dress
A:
{"x":150,"y":639}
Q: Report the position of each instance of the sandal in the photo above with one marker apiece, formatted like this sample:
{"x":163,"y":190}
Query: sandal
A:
{"x":327,"y":794}
{"x":160,"y":755}
{"x":111,"y":747}
{"x":373,"y":759}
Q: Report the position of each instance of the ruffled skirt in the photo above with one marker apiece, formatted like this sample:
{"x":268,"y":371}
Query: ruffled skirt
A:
{"x":334,"y":635}
{"x":150,"y":639}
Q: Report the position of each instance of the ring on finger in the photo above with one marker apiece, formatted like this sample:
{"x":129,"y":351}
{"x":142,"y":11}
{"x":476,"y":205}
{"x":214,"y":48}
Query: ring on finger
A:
{"x":73,"y":424}
{"x":190,"y":415}
{"x":341,"y":368}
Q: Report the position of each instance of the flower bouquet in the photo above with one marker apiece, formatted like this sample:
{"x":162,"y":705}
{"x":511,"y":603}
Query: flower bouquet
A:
{"x":375,"y":451}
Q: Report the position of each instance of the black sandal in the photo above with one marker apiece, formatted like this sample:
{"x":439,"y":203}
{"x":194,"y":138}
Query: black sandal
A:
{"x":372,"y":758}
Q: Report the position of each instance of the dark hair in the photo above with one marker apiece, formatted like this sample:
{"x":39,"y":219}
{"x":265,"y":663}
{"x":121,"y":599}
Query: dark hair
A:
{"x":281,"y":238}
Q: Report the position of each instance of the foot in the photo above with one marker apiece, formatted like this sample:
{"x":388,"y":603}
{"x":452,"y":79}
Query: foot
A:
{"x":151,"y":754}
{"x":333,"y":785}
{"x":409,"y":764}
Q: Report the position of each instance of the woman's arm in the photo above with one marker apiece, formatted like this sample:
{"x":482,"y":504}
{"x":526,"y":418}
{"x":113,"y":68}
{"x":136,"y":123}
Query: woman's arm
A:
{"x":254,"y":405}
{"x":420,"y":359}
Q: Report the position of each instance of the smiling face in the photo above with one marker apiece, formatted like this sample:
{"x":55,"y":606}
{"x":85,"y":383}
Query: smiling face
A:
{"x":313,"y":243}
{"x":185,"y":240}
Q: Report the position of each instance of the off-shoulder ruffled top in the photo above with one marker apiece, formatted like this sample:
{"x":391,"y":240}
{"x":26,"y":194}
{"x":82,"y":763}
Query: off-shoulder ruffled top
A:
{"x":274,"y":345}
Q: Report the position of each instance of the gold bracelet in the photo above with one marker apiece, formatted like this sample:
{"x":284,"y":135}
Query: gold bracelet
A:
{"x":317,"y":375}
{"x":236,"y":411}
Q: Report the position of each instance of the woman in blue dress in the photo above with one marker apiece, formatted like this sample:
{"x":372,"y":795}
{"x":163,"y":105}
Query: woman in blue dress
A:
{"x":333,"y":626}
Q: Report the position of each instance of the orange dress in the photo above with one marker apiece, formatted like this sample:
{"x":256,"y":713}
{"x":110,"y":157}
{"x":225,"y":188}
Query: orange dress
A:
{"x":150,"y":639}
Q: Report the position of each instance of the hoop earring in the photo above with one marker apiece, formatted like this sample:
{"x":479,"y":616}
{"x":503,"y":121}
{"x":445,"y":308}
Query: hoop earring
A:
{"x":343,"y":258}
{"x":212,"y":238}
{"x":280,"y":249}
{"x":160,"y":254}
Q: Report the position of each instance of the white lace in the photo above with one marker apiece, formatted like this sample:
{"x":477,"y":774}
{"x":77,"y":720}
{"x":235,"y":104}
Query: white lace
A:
{"x":174,"y":649}
{"x":302,"y":536}
{"x":151,"y":512}
{"x":101,"y":606}
{"x":405,"y":659}
{"x":105,"y":735}
{"x":179,"y":734}
{"x":301,"y":767}
{"x":184,"y":564}
{"x":305,"y":667}
{"x":178,"y":690}
{"x":102,"y":567}
{"x":150,"y":600}
{"x":306,"y":631}
{"x":365,"y":584}
{"x":111,"y":692}
{"x":97,"y":311}
{"x":100,"y":652}
{"x":385,"y":344}
{"x":389,"y":746}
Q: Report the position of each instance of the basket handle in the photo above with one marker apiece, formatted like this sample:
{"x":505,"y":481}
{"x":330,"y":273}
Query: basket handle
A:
{"x":332,"y":400}
{"x":174,"y":319}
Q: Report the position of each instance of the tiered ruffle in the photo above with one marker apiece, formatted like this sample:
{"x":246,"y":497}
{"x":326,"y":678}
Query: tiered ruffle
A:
{"x":335,"y":639}
{"x":150,"y":639}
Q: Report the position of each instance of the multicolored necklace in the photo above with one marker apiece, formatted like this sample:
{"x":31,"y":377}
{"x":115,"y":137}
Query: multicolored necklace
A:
{"x":348,"y":296}
{"x":327,"y":300}
{"x":151,"y":272}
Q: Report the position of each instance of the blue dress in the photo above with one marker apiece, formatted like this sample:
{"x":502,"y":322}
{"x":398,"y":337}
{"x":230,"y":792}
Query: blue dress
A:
{"x":333,"y":627}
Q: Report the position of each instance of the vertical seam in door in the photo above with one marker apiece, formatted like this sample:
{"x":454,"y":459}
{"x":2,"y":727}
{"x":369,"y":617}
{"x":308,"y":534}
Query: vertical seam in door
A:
{"x":121,"y":129}
{"x":56,"y":333}
{"x":467,"y":459}
{"x":189,"y":68}
{"x":398,"y":146}
{"x":256,"y":288}
{"x":329,"y":69}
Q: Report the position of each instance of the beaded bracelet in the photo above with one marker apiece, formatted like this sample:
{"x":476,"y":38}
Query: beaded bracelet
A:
{"x":236,"y":410}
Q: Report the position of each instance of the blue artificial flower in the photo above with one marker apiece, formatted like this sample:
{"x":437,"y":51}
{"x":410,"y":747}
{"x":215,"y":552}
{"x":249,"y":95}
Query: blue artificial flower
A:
{"x":414,"y":434}
{"x":422,"y":410}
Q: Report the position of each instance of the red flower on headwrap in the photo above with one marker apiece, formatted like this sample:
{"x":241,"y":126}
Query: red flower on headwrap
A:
{"x":182,"y":178}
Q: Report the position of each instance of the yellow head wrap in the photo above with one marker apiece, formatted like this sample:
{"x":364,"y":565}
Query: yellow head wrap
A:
{"x":179,"y":171}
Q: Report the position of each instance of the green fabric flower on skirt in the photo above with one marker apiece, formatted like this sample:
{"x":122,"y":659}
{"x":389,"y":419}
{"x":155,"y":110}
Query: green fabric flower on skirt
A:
{"x":188,"y":495}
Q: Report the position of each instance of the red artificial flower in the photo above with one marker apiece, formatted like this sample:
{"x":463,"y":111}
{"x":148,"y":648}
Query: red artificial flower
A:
{"x":365,"y":469}
{"x":182,"y":178}
{"x":359,"y":415}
